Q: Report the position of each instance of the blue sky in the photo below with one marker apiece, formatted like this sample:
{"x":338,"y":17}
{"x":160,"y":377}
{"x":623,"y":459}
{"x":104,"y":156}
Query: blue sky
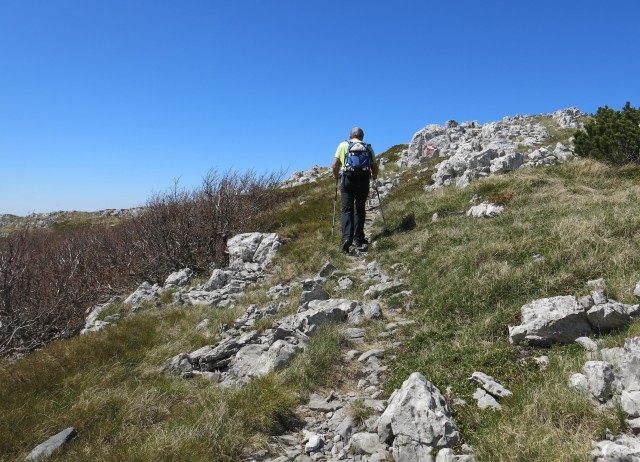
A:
{"x":103,"y":103}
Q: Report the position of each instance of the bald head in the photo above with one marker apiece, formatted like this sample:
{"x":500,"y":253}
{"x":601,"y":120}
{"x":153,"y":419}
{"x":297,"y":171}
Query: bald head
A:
{"x":357,"y":132}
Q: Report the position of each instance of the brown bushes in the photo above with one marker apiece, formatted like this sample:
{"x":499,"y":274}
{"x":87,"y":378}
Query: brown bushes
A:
{"x":48,"y":280}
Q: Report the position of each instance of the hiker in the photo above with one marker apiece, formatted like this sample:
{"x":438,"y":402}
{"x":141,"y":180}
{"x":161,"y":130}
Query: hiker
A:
{"x":354,"y":164}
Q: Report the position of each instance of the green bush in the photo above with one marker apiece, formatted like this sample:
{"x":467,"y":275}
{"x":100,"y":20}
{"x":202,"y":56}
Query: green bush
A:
{"x":611,"y":136}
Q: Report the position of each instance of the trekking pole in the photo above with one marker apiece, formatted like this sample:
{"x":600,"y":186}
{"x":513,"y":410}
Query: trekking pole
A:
{"x":375,"y":184}
{"x":335,"y":200}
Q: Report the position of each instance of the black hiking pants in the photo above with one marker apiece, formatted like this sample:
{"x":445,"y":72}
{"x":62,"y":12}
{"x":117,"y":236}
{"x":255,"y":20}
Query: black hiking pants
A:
{"x":354,"y":189}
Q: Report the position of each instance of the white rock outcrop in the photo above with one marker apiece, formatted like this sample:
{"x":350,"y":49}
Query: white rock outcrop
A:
{"x":417,"y":421}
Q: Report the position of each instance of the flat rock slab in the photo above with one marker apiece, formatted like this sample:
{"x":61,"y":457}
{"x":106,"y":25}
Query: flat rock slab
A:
{"x":587,"y":343}
{"x":375,"y":352}
{"x":485,"y":210}
{"x":383,"y":288}
{"x":318,"y":403}
{"x":490,"y":385}
{"x":485,"y":400}
{"x":551,"y":320}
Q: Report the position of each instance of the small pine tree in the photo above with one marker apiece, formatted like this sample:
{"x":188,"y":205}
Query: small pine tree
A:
{"x":611,"y":136}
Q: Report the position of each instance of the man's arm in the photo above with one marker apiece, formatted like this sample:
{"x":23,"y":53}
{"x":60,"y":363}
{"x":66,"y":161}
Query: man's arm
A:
{"x":336,"y":167}
{"x":374,"y":164}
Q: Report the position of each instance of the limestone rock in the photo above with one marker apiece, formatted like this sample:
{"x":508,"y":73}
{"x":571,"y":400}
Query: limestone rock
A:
{"x":447,"y":455}
{"x":321,"y":312}
{"x":506,"y":163}
{"x":630,"y":402}
{"x":252,"y":248}
{"x":601,"y":379}
{"x":485,"y":210}
{"x":178,"y":279}
{"x":417,"y":420}
{"x":46,"y":449}
{"x":490,"y":385}
{"x":365,"y":311}
{"x":608,"y":316}
{"x":145,"y":292}
{"x":327,"y":269}
{"x":623,"y":448}
{"x":318,"y":403}
{"x":315,"y":443}
{"x":485,"y":400}
{"x":366,"y":443}
{"x":354,"y":334}
{"x":312,"y":290}
{"x":587,"y":343}
{"x":374,"y":352}
{"x":179,"y":364}
{"x":345,"y":283}
{"x":218,"y":279}
{"x":384,"y":288}
{"x":551,"y":320}
{"x":580,"y":383}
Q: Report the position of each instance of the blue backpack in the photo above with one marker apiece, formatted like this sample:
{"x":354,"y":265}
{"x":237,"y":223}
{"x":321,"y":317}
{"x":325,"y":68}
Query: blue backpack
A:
{"x":358,"y":158}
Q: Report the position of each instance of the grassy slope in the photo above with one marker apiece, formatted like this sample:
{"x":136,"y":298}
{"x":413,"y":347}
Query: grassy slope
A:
{"x":470,"y":277}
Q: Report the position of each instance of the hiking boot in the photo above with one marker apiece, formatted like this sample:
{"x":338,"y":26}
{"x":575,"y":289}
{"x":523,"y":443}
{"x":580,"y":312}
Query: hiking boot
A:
{"x":361,"y":242}
{"x":345,"y":246}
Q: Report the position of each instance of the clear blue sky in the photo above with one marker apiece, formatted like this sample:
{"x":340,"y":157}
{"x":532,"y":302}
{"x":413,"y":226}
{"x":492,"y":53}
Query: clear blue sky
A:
{"x":103,"y":103}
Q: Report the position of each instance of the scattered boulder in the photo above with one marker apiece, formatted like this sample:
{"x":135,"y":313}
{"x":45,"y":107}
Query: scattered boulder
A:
{"x":601,"y":379}
{"x":551,"y":320}
{"x":312,"y":289}
{"x":384,"y":288}
{"x":579,"y":383}
{"x":250,"y":248}
{"x":318,"y":403}
{"x":607,"y":316}
{"x":327,"y":270}
{"x":46,"y":449}
{"x":417,"y":421}
{"x":485,"y":210}
{"x":485,"y":400}
{"x":587,"y":343}
{"x":490,"y":385}
{"x":144,"y":293}
{"x":366,"y":443}
{"x":178,"y":279}
{"x":623,"y":448}
{"x":315,"y":443}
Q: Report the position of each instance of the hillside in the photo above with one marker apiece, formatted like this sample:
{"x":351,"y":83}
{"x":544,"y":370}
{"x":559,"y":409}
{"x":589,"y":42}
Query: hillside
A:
{"x":439,"y":293}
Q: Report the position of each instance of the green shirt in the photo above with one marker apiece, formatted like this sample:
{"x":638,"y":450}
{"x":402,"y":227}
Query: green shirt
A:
{"x":341,"y":152}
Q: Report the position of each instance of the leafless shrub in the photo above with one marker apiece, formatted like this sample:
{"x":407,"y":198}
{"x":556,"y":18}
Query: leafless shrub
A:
{"x":47,"y":280}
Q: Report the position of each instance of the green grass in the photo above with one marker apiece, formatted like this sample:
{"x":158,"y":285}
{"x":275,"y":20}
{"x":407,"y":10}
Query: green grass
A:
{"x":473,"y":275}
{"x":393,"y":153}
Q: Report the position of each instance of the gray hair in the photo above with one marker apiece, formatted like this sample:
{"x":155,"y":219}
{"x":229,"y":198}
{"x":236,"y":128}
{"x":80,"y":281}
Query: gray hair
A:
{"x":357,"y":132}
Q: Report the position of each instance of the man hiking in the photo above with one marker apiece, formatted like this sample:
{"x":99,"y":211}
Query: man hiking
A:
{"x":354,"y":164}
